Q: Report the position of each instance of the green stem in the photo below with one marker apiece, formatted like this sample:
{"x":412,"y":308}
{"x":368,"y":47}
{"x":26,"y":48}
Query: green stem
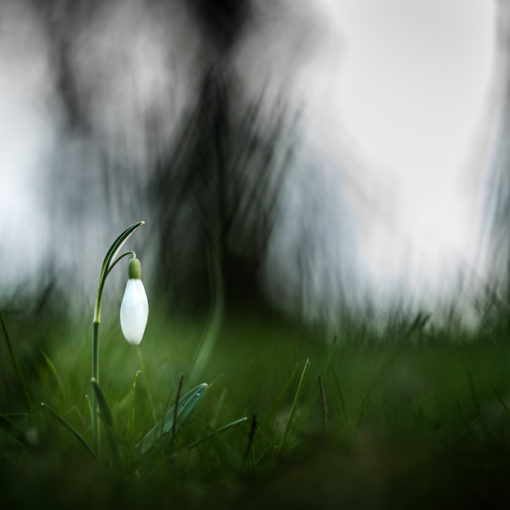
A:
{"x":118,"y":259}
{"x":95,"y":376}
{"x":108,"y":263}
{"x":146,"y":382}
{"x":71,"y":429}
{"x":176,"y":410}
{"x":17,"y":366}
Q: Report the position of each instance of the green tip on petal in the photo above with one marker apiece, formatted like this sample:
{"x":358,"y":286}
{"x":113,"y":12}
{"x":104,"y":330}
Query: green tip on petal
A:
{"x":135,"y":269}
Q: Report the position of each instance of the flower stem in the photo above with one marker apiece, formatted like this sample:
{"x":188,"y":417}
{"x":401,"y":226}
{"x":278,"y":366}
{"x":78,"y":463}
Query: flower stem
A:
{"x":95,"y":376}
{"x":108,"y":263}
{"x":118,"y":259}
{"x":146,"y":382}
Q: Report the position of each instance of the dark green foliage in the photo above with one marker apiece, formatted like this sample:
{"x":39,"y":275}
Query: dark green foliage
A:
{"x":167,"y":424}
{"x":421,"y":424}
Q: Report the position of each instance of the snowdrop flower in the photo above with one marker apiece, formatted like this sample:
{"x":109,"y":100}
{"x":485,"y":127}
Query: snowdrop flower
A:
{"x":134,"y":309}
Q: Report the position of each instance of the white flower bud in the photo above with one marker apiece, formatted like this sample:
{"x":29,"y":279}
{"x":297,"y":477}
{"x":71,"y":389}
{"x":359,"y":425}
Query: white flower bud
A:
{"x":134,"y":309}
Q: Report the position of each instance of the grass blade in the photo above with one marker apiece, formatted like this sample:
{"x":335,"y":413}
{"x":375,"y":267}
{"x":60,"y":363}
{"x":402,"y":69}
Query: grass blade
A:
{"x":218,"y":431}
{"x":476,"y":403}
{"x":219,"y":407}
{"x":297,"y":398}
{"x":176,"y":408}
{"x":107,"y":419}
{"x":117,"y":245}
{"x":71,"y":429}
{"x":279,"y":398}
{"x":324,"y":405}
{"x":12,"y":430}
{"x":56,"y":375}
{"x":500,"y":399}
{"x":186,"y":405}
{"x":251,"y":437}
{"x":340,"y":395}
{"x":17,"y":366}
{"x":110,"y":255}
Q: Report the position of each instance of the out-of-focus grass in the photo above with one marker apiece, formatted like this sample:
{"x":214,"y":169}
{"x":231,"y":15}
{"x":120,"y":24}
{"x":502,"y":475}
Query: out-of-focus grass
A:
{"x":413,"y":418}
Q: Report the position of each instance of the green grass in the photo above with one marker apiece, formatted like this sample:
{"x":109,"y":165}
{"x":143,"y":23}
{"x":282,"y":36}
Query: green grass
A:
{"x":405,"y":419}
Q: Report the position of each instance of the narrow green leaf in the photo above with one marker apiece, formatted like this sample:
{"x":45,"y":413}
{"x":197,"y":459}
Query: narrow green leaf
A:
{"x":297,"y":398}
{"x":106,"y":418}
{"x":71,"y":429}
{"x":106,"y":415}
{"x":89,"y":405}
{"x":219,"y":406}
{"x":165,"y":410}
{"x":117,"y":245}
{"x":186,"y":408}
{"x":186,"y":405}
{"x":17,"y":366}
{"x":340,"y":395}
{"x":12,"y":430}
{"x":176,"y":409}
{"x":500,"y":399}
{"x":110,"y":255}
{"x":56,"y":375}
{"x":476,"y":403}
{"x":279,"y":398}
{"x":218,"y":431}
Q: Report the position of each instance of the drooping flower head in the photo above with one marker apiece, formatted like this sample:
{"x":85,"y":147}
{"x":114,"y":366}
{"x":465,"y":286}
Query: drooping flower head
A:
{"x":134,"y":309}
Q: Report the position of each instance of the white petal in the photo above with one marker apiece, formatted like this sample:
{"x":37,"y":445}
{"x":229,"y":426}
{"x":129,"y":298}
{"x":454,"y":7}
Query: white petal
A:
{"x":134,"y":311}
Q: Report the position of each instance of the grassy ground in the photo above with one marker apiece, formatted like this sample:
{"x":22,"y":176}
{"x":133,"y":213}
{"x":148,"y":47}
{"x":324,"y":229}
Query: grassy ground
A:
{"x":400,"y":418}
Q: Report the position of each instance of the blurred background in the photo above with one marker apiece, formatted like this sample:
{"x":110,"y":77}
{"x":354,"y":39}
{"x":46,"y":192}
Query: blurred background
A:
{"x":303,"y":156}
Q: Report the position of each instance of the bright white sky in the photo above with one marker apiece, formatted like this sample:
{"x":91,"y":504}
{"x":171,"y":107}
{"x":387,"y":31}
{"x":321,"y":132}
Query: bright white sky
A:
{"x":414,"y":78}
{"x":394,"y":96}
{"x":412,"y":91}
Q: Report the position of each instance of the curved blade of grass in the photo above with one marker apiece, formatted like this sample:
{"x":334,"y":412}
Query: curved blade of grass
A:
{"x":56,"y":375}
{"x":106,"y":418}
{"x":185,"y":407}
{"x":219,"y":406}
{"x":340,"y":395}
{"x":106,"y":415}
{"x":297,"y":398}
{"x":12,"y":430}
{"x":17,"y":416}
{"x":176,"y":409}
{"x":279,"y":398}
{"x":71,"y":429}
{"x":117,"y":245}
{"x":17,"y":366}
{"x":218,"y":431}
{"x":251,"y":437}
{"x":500,"y":399}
